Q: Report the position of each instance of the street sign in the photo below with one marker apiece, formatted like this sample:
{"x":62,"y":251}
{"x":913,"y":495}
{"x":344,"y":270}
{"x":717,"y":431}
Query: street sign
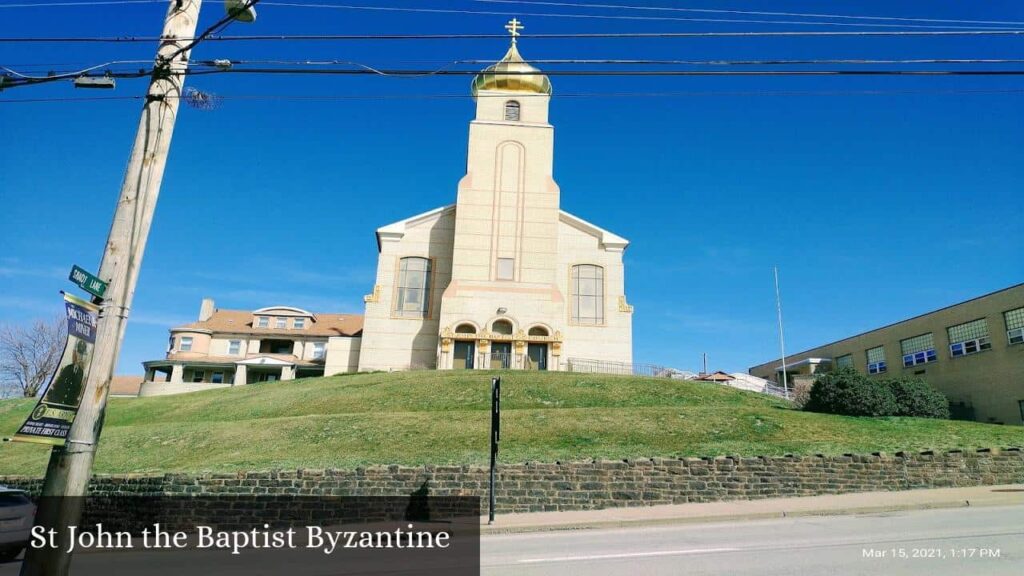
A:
{"x":88,"y":282}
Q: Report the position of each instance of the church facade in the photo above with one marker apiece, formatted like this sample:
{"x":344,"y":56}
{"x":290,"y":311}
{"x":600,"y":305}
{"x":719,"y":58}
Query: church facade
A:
{"x":502,"y":278}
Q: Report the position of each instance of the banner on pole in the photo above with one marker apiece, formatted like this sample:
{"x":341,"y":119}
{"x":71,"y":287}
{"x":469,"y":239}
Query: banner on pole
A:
{"x":50,"y":421}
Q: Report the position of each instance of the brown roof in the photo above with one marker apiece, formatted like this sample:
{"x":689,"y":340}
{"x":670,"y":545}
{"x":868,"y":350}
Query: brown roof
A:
{"x":125,"y":385}
{"x":718,"y":376}
{"x":240,"y":322}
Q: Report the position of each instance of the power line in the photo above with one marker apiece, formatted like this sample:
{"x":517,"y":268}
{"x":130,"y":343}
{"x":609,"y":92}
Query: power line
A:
{"x":84,"y":3}
{"x":851,"y":61}
{"x":593,"y":16}
{"x":330,"y":97}
{"x":549,"y":36}
{"x":750,"y":12}
{"x":447,"y":72}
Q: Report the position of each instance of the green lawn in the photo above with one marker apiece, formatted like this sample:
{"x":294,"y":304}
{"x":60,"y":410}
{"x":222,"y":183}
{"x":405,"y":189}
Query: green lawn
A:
{"x":442,"y":417}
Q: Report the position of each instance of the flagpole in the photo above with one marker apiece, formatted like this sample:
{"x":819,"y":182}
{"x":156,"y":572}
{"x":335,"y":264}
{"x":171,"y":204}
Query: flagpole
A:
{"x":782,"y":338}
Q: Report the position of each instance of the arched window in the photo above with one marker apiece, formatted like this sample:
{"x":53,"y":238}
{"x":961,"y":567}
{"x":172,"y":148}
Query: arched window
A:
{"x":501,"y":327}
{"x":587,"y":294}
{"x":465,"y":329}
{"x":538,"y":331}
{"x":413,"y":299}
{"x":512,"y":110}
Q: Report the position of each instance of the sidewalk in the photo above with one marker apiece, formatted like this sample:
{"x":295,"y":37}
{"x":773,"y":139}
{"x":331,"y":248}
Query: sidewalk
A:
{"x":863,"y":502}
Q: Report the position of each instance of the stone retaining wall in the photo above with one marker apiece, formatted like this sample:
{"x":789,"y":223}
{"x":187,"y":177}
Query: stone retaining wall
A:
{"x":598,"y":484}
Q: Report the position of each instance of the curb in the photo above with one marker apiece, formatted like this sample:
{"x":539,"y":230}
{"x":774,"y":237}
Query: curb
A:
{"x":496,"y":530}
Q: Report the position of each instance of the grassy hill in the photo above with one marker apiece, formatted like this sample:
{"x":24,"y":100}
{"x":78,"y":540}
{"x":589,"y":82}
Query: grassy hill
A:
{"x":443,"y":417}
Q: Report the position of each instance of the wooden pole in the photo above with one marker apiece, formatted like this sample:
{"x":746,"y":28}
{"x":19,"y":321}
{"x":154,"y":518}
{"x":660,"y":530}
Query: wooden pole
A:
{"x":70,"y":467}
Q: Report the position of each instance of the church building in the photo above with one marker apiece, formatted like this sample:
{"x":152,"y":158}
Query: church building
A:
{"x":502,"y":278}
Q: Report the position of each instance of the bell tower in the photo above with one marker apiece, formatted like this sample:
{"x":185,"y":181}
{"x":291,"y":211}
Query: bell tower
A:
{"x":505,"y":260}
{"x":507,"y":207}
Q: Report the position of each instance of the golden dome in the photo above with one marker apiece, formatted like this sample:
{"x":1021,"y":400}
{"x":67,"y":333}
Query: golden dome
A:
{"x":512,"y":73}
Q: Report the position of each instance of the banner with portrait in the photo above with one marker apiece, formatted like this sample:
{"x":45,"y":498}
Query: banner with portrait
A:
{"x":50,"y":421}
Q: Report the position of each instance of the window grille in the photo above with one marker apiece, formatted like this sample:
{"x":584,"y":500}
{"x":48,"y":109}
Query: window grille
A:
{"x":844,"y":361}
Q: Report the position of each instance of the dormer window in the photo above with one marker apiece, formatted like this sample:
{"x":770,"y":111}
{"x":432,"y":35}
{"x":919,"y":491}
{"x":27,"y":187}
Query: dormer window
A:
{"x":262,"y":322}
{"x":512,"y":111}
{"x":299,"y":323}
{"x":280,"y":323}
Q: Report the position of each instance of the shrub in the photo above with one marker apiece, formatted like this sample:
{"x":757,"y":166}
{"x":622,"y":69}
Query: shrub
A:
{"x":851,"y":393}
{"x":914,"y":397}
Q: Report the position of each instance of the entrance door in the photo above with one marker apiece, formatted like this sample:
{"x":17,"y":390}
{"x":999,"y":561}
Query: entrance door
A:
{"x":537,"y":356}
{"x":501,"y":355}
{"x":462,"y":358}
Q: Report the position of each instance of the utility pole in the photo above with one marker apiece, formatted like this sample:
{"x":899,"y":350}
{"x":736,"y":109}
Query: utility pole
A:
{"x":782,"y":339}
{"x":70,"y":467}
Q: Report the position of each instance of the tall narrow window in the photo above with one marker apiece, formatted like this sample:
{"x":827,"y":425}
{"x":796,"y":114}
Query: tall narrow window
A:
{"x":1014,"y":325}
{"x":512,"y":110}
{"x":234,"y":347}
{"x":587,"y":294}
{"x":876,"y":360}
{"x":413,"y":299}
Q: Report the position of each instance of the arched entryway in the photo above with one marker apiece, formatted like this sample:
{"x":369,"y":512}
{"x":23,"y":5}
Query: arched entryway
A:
{"x":537,"y":352}
{"x":464,"y":348}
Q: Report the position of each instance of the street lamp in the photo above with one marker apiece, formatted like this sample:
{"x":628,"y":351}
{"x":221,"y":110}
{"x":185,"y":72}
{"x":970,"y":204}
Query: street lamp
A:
{"x":241,"y":10}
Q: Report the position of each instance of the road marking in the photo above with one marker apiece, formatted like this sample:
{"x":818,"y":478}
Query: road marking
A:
{"x":627,"y":555}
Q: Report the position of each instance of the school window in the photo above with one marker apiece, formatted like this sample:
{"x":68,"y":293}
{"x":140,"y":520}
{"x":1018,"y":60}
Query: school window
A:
{"x":918,"y":350}
{"x":512,"y":110}
{"x":1014,"y":325}
{"x":505,"y":268}
{"x":234,"y":347}
{"x":587,"y":294}
{"x":968,"y":338}
{"x":198,"y":376}
{"x":217,"y":378}
{"x":263,"y":322}
{"x":319,"y":350}
{"x":186,"y":344}
{"x":413,"y":296}
{"x":299,"y":323}
{"x":876,"y":360}
{"x":280,"y":323}
{"x":844,"y":361}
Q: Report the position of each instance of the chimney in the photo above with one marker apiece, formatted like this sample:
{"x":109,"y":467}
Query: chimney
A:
{"x":206,"y":310}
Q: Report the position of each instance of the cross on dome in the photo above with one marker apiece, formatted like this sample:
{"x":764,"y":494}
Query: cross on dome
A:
{"x":513,"y":27}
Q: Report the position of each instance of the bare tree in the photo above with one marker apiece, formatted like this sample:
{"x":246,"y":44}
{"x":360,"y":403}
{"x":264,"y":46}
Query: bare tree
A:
{"x":29,"y":355}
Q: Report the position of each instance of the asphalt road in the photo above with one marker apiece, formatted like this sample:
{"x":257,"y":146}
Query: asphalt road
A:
{"x":960,"y":542}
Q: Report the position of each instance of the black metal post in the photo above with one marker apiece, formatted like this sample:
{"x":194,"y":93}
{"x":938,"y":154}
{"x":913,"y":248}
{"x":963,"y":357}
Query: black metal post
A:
{"x":495,"y":434}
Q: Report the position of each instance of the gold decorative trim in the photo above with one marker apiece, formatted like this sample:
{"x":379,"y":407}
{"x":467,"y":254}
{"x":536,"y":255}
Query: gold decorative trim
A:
{"x":374,"y":297}
{"x":623,"y":306}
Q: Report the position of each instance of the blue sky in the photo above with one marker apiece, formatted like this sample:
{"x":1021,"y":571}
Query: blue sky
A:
{"x":875,"y":207}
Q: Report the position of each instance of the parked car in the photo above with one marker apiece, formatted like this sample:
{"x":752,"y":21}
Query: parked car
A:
{"x":17,"y":513}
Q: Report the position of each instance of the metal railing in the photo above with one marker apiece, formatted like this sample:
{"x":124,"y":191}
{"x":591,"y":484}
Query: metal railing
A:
{"x":588,"y":366}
